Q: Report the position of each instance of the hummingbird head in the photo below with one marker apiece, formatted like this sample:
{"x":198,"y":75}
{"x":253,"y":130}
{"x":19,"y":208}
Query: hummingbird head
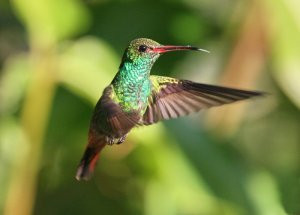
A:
{"x":143,"y":51}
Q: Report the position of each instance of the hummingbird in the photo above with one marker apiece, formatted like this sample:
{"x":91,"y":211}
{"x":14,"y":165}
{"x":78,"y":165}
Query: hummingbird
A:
{"x":136,"y":98}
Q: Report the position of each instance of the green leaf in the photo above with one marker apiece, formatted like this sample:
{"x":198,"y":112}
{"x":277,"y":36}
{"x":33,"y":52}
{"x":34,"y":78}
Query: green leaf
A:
{"x":86,"y":67}
{"x":50,"y":20}
{"x":285,"y":40}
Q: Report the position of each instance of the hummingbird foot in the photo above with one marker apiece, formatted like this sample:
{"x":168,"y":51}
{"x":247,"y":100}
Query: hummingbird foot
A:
{"x":110,"y":140}
{"x":122,"y":139}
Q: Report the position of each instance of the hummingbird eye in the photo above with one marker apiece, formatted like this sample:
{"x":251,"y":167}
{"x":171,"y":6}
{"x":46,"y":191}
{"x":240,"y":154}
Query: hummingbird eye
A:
{"x":142,"y":48}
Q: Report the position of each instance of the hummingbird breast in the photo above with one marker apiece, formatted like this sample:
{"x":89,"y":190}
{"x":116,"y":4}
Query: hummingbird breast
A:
{"x":132,"y":87}
{"x":133,"y":96}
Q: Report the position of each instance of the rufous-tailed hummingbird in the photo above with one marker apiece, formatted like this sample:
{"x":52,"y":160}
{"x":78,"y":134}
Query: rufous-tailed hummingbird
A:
{"x":135,"y":98}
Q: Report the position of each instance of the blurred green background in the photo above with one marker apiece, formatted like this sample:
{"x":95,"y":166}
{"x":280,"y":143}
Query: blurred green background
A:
{"x":56,"y":57}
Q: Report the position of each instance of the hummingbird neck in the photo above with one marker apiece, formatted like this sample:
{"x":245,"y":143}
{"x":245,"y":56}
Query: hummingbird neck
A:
{"x":132,"y":73}
{"x":132,"y":85}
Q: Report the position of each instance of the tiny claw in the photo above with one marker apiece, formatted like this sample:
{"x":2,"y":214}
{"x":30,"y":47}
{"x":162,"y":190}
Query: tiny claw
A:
{"x":110,"y":140}
{"x":122,"y":139}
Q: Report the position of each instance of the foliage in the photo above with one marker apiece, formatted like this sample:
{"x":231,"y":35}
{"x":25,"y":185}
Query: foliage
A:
{"x":56,"y":56}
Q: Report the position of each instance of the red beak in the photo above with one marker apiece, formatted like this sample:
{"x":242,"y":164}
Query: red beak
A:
{"x":163,"y":49}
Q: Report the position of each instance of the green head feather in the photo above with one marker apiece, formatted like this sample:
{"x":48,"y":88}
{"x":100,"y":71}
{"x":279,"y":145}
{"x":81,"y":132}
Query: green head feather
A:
{"x":140,"y":53}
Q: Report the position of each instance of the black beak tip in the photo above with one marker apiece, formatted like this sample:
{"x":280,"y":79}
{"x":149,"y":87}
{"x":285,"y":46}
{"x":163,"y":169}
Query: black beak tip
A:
{"x":203,"y":50}
{"x":197,"y":49}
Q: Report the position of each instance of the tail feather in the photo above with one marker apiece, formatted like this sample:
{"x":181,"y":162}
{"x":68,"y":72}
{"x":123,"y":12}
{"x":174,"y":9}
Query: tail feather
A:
{"x":90,"y":156}
{"x":87,"y":164}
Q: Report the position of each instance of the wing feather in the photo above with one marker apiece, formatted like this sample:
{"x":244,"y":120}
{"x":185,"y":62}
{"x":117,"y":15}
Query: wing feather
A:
{"x":109,"y":117}
{"x":172,"y":98}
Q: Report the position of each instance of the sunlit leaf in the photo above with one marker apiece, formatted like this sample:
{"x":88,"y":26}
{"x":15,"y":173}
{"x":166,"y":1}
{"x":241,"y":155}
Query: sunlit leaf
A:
{"x":13,"y":83}
{"x":87,"y":66}
{"x":51,"y":20}
{"x":285,"y":41}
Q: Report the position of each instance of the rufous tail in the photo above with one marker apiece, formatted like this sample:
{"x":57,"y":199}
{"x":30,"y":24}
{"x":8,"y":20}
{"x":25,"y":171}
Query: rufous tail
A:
{"x":90,"y":156}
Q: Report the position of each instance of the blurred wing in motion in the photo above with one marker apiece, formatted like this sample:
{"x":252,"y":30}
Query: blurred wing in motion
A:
{"x":172,"y":98}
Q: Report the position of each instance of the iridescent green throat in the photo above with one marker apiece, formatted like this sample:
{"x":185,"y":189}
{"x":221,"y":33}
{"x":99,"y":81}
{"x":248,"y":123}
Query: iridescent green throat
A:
{"x":132,"y":85}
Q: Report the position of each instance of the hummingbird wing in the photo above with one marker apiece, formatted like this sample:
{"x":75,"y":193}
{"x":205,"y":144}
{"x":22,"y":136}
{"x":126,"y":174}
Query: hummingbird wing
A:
{"x":110,"y":118}
{"x":172,"y":98}
{"x":109,"y":122}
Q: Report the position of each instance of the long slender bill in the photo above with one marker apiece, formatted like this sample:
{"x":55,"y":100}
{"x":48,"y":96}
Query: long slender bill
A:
{"x":163,"y":49}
